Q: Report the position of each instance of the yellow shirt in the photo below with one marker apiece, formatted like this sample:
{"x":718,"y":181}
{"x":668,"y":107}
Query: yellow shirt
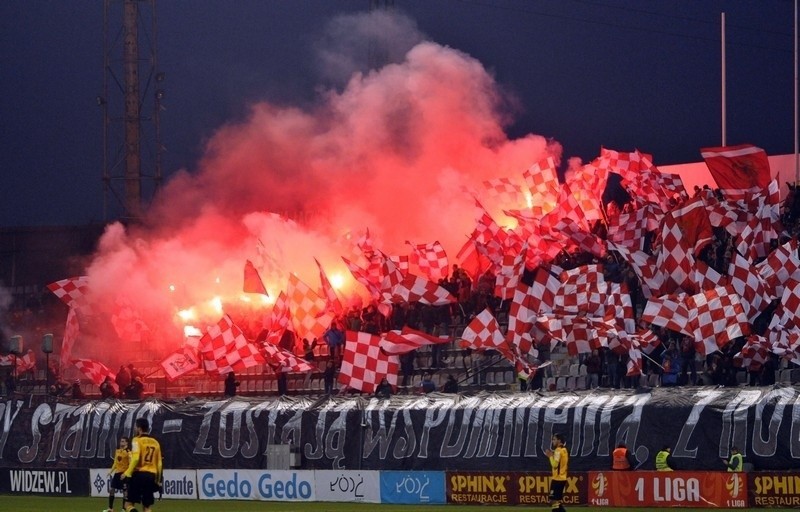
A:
{"x":145,"y":456}
{"x":122,"y":458}
{"x":559,"y":461}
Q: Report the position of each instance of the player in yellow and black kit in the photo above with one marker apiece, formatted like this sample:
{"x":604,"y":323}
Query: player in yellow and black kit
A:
{"x":122,"y":457}
{"x":145,"y":470}
{"x":559,"y":460}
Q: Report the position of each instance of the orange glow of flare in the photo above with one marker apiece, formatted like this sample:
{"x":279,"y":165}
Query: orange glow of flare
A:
{"x":217,"y":280}
{"x":268,"y":299}
{"x":216,"y":303}
{"x":337,"y":281}
{"x":529,"y":199}
{"x":244,"y":298}
{"x":187,"y":314}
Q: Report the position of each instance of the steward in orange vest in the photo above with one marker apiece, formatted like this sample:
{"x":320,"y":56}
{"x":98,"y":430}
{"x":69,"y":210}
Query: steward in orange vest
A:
{"x":621,"y":458}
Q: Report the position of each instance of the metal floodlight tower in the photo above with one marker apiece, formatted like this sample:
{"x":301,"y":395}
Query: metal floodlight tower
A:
{"x":131,"y":102}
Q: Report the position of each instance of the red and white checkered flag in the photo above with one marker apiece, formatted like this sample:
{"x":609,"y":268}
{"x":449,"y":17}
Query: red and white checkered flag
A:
{"x":94,"y":371}
{"x":787,"y":314}
{"x":542,"y":182}
{"x":418,"y":289}
{"x":279,"y":320}
{"x":364,"y":364}
{"x":629,"y":229}
{"x":180,"y":362}
{"x":756,"y":238}
{"x":309,"y":311}
{"x":408,"y":339}
{"x":685,"y":231}
{"x":288,"y":362}
{"x":71,"y":331}
{"x":786,"y":344}
{"x":431,"y":260}
{"x":24,"y":362}
{"x":754,"y":353}
{"x":332,"y":302}
{"x":650,"y":277}
{"x":483,"y":333}
{"x":583,"y":289}
{"x":745,"y":279}
{"x":509,"y":274}
{"x":224,"y":349}
{"x":670,"y":312}
{"x":363,"y":277}
{"x":505,"y":191}
{"x":716,"y":317}
{"x":587,"y":185}
{"x":72,"y":291}
{"x":780,"y":266}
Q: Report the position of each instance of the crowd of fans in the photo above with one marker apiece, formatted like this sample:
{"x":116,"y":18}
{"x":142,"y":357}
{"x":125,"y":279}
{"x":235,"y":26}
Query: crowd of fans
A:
{"x":674,"y":362}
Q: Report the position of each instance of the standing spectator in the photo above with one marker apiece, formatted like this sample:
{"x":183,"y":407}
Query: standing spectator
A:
{"x":77,"y":392}
{"x":123,"y":379}
{"x":329,"y":376}
{"x":450,"y":385}
{"x":283,"y":385}
{"x":407,"y":367}
{"x":384,"y":389}
{"x":688,"y":368}
{"x":135,"y":373}
{"x":612,"y":369}
{"x":593,"y":368}
{"x":107,"y":388}
{"x":135,"y":389}
{"x":231,"y":384}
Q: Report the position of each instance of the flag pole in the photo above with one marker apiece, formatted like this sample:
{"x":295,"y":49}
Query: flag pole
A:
{"x":724,"y":112}
{"x":796,"y":131}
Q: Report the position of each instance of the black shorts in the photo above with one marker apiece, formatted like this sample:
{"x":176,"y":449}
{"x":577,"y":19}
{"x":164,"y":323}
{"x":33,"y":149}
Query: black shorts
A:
{"x":557,"y":489}
{"x":116,"y":482}
{"x":141,"y":487}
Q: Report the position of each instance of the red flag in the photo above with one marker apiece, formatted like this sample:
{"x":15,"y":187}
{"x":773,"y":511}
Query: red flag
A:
{"x":224,"y":348}
{"x":309,"y":313}
{"x":71,"y":331}
{"x":332,"y":302}
{"x":252,"y":281}
{"x":285,"y":360}
{"x":94,"y":371}
{"x":738,"y":167}
{"x":400,"y":342}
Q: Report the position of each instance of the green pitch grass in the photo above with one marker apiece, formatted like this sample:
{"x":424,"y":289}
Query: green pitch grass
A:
{"x":41,"y":504}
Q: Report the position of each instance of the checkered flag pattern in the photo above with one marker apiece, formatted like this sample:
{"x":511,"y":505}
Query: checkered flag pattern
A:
{"x":487,"y":231}
{"x":362,"y":277}
{"x":482,"y":332}
{"x":787,"y":314}
{"x":26,"y":362}
{"x":754,"y":353}
{"x":310,"y":315}
{"x":542,"y":182}
{"x":730,"y":215}
{"x":619,"y":307}
{"x":364,"y":364}
{"x":704,"y":277}
{"x":408,"y":339}
{"x":779,"y":267}
{"x":588,"y":185}
{"x":94,"y":371}
{"x":72,"y":291}
{"x":787,"y":345}
{"x":509,"y":274}
{"x":644,"y":265}
{"x":670,"y":312}
{"x":431,"y":260}
{"x":754,"y":241}
{"x":417,"y":289}
{"x":586,"y":242}
{"x":285,"y":360}
{"x":332,"y":302}
{"x":748,"y":283}
{"x":224,"y":349}
{"x":505,"y":191}
{"x":278,"y":320}
{"x":716,"y":317}
{"x":628,"y":229}
{"x":71,"y":331}
{"x":583,"y":289}
{"x":522,"y":314}
{"x":180,"y":362}
{"x":567,"y":211}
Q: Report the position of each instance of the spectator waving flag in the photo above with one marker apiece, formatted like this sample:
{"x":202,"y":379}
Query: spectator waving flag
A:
{"x":279,"y":320}
{"x":285,"y":360}
{"x":309,"y":310}
{"x":364,"y":364}
{"x":408,"y":339}
{"x":94,"y":371}
{"x":180,"y":362}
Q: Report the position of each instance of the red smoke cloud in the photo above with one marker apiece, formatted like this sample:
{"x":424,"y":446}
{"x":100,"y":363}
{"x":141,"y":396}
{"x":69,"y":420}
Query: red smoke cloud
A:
{"x":391,"y":152}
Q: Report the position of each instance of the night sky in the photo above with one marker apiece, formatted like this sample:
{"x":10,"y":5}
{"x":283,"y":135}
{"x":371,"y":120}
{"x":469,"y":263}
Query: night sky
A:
{"x":614,"y":73}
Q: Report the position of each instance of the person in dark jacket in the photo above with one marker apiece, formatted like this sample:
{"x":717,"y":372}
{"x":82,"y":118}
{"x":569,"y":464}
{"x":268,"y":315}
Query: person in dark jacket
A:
{"x":231,"y":384}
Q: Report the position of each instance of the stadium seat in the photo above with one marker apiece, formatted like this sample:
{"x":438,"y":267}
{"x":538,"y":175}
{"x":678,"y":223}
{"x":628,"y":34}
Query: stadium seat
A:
{"x":561,"y":384}
{"x":571,"y":384}
{"x":581,"y":382}
{"x":574,"y":370}
{"x":550,"y":384}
